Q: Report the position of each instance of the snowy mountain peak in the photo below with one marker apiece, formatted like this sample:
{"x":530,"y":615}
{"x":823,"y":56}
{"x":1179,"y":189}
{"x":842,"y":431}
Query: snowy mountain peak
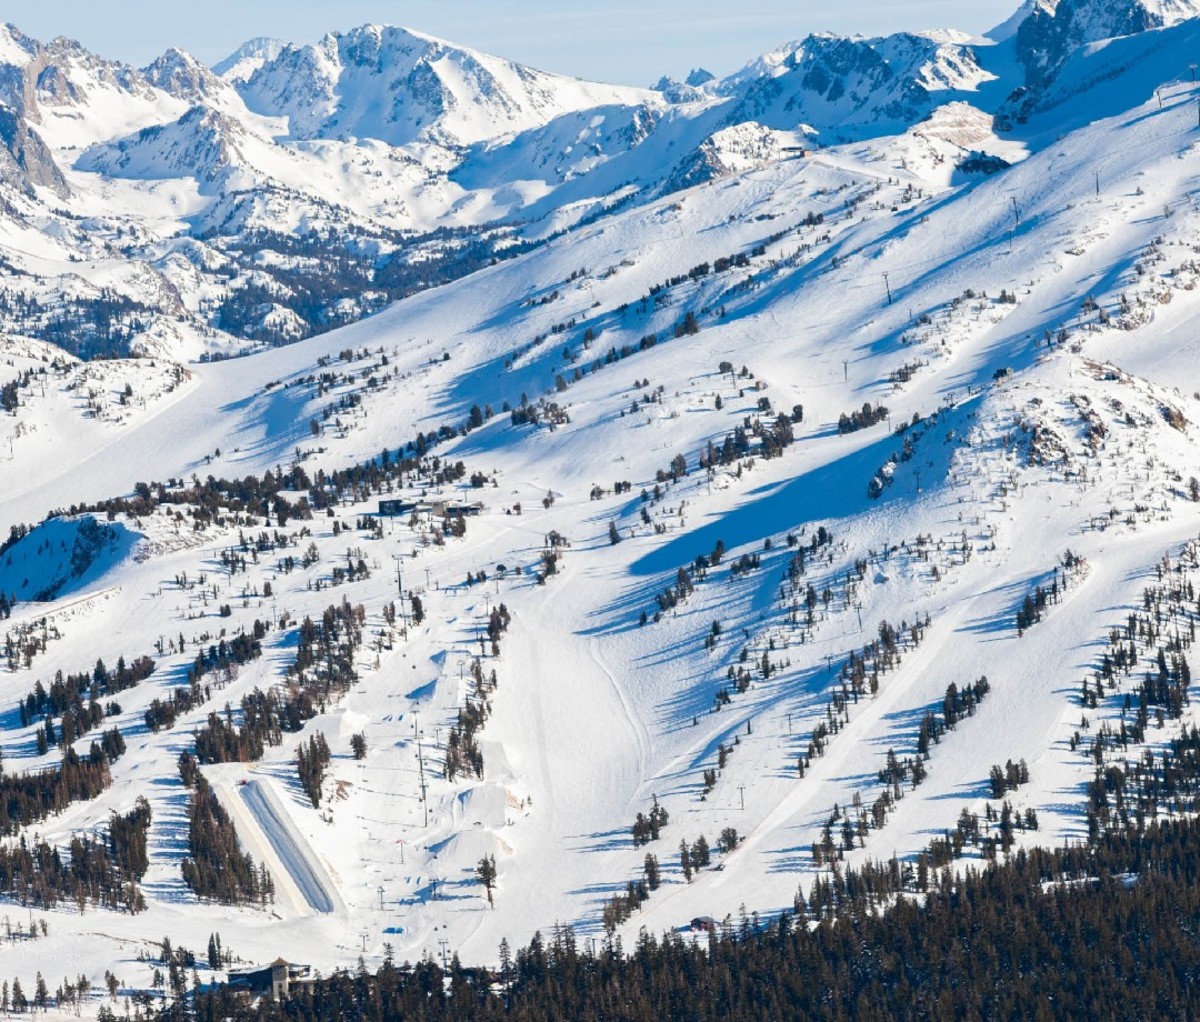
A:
{"x":248,"y":58}
{"x":15,"y":46}
{"x":677,"y":92}
{"x":1049,"y":32}
{"x":182,"y":75}
{"x":1009,"y":26}
{"x":401,"y":86}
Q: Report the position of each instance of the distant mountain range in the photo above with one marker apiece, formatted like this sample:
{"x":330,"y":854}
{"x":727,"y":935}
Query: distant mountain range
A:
{"x":293,"y":188}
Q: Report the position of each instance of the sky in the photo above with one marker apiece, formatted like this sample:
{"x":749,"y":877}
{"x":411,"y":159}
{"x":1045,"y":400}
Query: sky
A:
{"x":604,"y":40}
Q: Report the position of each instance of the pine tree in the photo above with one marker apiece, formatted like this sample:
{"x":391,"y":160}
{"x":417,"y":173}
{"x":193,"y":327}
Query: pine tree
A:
{"x":685,"y":861}
{"x":650,"y":869}
{"x":485,"y":874}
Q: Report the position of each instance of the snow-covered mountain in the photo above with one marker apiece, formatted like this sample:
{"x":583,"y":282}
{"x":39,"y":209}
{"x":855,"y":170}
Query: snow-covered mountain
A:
{"x":611,"y":469}
{"x":402,"y":87}
{"x":846,"y":88}
{"x":248,"y":58}
{"x":357,"y":160}
{"x":1051,"y":31}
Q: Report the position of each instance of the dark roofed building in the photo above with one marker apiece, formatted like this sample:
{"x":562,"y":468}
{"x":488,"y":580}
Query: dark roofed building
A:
{"x":395,"y":508}
{"x":273,"y":981}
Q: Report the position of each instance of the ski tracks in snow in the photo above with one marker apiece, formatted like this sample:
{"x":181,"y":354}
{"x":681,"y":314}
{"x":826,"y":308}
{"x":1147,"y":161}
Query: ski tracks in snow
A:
{"x":635,"y":723}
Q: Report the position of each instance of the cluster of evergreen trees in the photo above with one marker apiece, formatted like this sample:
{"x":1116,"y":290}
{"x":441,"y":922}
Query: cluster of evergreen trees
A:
{"x":67,"y":693}
{"x":161,"y":714}
{"x":773,"y":436}
{"x":1033,"y":607}
{"x":956,"y":704}
{"x":1025,"y":939}
{"x":311,"y":760}
{"x":10,"y":393}
{"x":647,"y":826}
{"x":65,"y":700}
{"x":222,"y":659}
{"x":324,"y":666}
{"x":100,"y":871}
{"x":863,"y":418}
{"x":463,"y":754}
{"x":219,"y":740}
{"x":1003,"y":779}
{"x":323,"y":670}
{"x":216,"y":869}
{"x":31,"y":797}
{"x":224,"y":656}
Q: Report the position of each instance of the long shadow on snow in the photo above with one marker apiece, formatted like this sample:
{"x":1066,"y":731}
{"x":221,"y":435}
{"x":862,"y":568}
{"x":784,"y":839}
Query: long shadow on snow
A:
{"x":834,"y":490}
{"x":1004,"y":620}
{"x":604,"y":840}
{"x":967,"y":791}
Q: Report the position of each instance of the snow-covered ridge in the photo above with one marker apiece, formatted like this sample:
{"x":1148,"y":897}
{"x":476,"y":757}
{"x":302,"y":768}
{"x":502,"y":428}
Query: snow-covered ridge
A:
{"x":380,"y":134}
{"x":849,"y":88}
{"x":1049,"y":33}
{"x":401,"y":87}
{"x":751,"y":400}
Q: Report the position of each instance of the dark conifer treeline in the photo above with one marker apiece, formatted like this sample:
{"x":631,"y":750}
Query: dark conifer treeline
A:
{"x":1062,"y":934}
{"x":30,"y":798}
{"x":98,"y":871}
{"x":217,"y":869}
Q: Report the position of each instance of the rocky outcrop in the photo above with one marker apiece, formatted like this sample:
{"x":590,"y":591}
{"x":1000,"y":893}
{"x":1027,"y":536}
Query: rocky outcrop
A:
{"x":25,"y":160}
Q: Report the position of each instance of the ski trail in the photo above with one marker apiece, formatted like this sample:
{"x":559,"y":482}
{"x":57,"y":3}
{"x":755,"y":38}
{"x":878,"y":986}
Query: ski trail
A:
{"x":635,"y":723}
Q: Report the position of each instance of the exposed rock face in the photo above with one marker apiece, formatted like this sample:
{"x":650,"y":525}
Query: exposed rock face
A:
{"x":25,"y":160}
{"x":1053,"y":29}
{"x":851,"y":88}
{"x":183,"y":76}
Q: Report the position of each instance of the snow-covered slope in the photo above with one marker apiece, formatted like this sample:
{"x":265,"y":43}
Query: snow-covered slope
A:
{"x":759,"y":456}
